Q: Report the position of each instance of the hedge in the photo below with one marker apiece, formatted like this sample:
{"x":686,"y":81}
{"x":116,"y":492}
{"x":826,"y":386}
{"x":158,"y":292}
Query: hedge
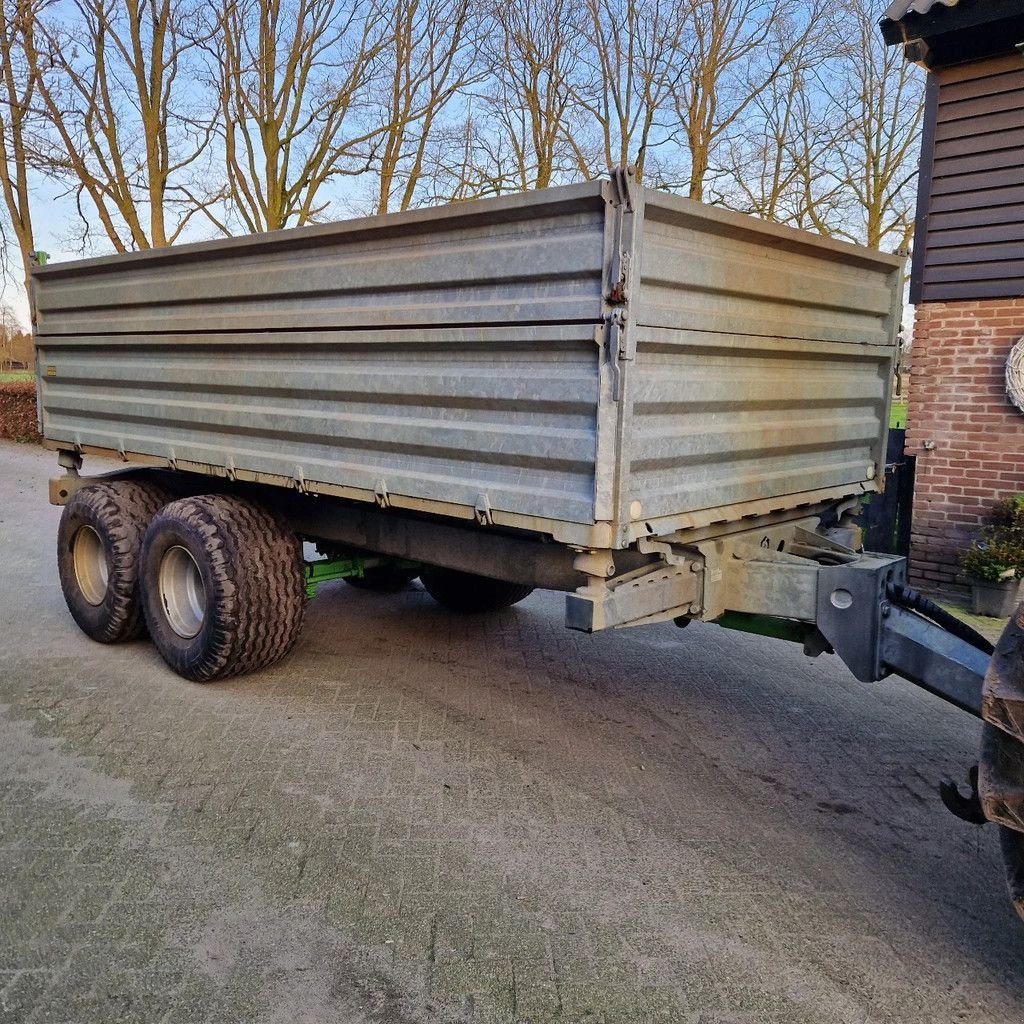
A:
{"x":18,"y":410}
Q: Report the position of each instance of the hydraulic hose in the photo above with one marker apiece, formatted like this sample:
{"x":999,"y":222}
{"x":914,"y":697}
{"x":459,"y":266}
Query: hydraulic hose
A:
{"x":906,"y":597}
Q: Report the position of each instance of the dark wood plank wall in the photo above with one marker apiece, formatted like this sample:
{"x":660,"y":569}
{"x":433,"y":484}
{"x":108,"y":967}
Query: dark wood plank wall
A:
{"x":969,"y":240}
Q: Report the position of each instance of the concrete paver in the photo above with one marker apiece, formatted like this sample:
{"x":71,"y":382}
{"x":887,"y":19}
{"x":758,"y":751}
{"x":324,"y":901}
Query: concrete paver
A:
{"x":420,"y":817}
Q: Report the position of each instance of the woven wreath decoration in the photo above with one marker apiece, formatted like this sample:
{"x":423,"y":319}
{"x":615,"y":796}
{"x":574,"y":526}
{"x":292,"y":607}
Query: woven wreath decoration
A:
{"x":1015,"y":374}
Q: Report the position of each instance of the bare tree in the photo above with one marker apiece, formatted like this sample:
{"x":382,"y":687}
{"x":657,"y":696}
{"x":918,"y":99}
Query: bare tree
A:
{"x":781,"y":145}
{"x":430,"y":60}
{"x":535,"y":57}
{"x":469,"y":159}
{"x":737,"y":49}
{"x":290,"y":80}
{"x":633,"y":55}
{"x":765,"y":177}
{"x":831,"y":145}
{"x":114,"y":80}
{"x":17,"y":347}
{"x":10,"y":332}
{"x":878,"y":102}
{"x":18,"y":124}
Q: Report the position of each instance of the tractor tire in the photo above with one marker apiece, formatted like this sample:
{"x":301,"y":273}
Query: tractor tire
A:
{"x":383,"y":579}
{"x":223,"y":587}
{"x":99,"y":542}
{"x":1011,"y":845}
{"x":1001,"y":776}
{"x":469,"y":594}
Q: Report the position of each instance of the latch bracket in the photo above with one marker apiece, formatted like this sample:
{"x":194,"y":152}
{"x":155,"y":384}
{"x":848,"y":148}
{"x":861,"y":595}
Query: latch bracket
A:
{"x":484,"y":515}
{"x":621,"y":348}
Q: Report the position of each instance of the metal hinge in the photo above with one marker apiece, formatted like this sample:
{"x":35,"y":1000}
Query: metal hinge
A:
{"x":622,"y":178}
{"x":618,"y":272}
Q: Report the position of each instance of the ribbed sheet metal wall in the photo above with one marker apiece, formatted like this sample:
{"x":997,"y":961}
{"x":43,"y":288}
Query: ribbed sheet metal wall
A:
{"x":448,"y":359}
{"x":439,"y":356}
{"x":762,"y":365}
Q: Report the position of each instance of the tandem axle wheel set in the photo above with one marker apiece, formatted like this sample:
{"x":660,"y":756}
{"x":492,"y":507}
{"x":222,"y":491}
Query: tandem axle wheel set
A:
{"x":219,"y":582}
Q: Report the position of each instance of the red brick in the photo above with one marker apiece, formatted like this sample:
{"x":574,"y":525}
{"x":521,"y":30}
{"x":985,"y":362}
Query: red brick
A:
{"x":958,"y":402}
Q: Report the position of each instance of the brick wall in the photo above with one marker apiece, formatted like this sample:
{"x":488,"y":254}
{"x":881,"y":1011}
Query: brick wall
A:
{"x":958,"y":401}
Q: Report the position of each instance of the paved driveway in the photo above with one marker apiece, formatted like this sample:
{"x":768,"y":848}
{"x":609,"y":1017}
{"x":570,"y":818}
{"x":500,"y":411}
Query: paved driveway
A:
{"x":419,"y":817}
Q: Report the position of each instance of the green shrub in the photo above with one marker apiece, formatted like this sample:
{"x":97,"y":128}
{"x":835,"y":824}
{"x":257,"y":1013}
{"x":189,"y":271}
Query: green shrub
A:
{"x":999,"y":553}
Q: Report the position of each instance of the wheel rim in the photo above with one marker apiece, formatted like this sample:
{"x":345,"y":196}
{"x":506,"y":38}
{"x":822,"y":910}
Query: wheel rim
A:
{"x":182,"y":593}
{"x":91,"y":570}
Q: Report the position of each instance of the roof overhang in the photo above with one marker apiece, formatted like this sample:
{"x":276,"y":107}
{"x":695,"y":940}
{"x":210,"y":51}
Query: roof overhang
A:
{"x":938,"y":33}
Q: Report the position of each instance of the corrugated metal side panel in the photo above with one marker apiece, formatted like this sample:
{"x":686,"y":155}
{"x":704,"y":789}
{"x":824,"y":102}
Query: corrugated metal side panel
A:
{"x":441,"y":359}
{"x":506,"y":412}
{"x":970,"y":238}
{"x":537,"y":261}
{"x":712,"y":270}
{"x":723,"y":420}
{"x":762,"y":368}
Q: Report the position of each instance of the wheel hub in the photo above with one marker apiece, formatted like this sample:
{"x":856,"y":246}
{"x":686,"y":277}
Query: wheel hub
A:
{"x":91,"y":570}
{"x":182,"y":593}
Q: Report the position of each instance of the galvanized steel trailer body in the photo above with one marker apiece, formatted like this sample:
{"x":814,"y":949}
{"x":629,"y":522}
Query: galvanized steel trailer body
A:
{"x":667,"y":410}
{"x":596,"y":363}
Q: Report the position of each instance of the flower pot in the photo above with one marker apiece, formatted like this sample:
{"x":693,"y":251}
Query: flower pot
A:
{"x":997,"y":599}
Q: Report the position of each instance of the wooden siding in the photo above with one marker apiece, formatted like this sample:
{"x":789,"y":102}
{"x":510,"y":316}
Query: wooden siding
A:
{"x":969,"y":241}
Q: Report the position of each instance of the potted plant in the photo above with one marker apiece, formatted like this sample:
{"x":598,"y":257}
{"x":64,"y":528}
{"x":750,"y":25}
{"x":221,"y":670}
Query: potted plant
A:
{"x":995,"y":562}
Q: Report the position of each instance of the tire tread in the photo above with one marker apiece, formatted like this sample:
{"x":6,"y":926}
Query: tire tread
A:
{"x":257,"y":568}
{"x":124,"y":509}
{"x":469,"y":594}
